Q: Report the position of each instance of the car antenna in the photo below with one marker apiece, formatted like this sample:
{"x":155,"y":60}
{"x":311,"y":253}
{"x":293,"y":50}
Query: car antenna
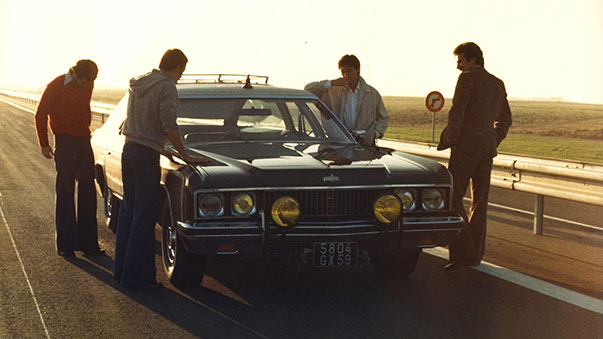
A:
{"x":248,"y":83}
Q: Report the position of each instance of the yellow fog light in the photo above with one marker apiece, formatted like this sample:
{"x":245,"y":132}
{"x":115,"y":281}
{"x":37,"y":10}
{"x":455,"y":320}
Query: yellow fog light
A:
{"x":243,"y":204}
{"x":285,"y":211}
{"x":387,"y":208}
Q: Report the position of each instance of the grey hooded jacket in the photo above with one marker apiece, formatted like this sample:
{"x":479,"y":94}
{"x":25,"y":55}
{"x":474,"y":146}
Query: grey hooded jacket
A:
{"x":152,"y":109}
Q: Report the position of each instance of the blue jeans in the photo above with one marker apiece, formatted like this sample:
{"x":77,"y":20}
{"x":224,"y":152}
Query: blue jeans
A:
{"x":75,"y":163}
{"x":135,"y":242}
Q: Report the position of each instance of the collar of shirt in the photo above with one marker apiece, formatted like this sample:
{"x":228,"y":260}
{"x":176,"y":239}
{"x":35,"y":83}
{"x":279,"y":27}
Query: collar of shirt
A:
{"x":350,"y":111}
{"x":356,"y":91}
{"x":473,"y":69}
{"x":68,"y":78}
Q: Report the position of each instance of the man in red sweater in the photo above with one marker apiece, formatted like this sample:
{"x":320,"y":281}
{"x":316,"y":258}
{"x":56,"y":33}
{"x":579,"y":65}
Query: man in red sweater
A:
{"x":66,"y":103}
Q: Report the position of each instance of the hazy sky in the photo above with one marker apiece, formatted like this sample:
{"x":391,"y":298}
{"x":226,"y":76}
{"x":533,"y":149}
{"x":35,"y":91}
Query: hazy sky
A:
{"x":540,"y":48}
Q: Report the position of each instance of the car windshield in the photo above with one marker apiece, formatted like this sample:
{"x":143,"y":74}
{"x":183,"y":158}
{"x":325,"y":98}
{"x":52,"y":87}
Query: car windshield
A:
{"x":240,"y":119}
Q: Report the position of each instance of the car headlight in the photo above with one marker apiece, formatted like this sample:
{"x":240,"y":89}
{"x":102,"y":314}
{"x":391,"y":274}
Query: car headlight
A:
{"x":243,"y":204}
{"x":433,"y":199}
{"x":407,"y":198}
{"x":211,"y":205}
{"x":387,"y":208}
{"x":285,"y":211}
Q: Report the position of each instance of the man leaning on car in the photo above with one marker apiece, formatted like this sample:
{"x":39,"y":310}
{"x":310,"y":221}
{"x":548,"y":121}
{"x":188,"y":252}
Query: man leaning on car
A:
{"x":151,"y":118}
{"x":357,"y":104}
{"x":66,"y":103}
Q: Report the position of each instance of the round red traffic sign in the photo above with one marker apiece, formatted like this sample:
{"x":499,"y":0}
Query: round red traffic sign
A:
{"x":434,"y":101}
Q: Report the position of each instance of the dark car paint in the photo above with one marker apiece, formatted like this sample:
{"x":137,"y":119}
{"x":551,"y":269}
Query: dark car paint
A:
{"x":276,"y":164}
{"x":287,"y":165}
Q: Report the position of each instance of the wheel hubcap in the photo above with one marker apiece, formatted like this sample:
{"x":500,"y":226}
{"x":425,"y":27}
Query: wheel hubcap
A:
{"x":108,"y":203}
{"x":171,"y":245}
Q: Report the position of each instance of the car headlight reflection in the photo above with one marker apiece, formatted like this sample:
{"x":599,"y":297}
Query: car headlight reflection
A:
{"x":387,"y":208}
{"x":211,"y":205}
{"x":285,"y":211}
{"x":243,"y":204}
{"x":433,"y":199}
{"x":407,"y":198}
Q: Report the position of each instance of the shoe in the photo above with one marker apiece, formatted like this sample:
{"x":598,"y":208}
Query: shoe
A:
{"x":66,"y":254}
{"x":453,"y":266}
{"x":99,"y":251}
{"x":475,"y":262}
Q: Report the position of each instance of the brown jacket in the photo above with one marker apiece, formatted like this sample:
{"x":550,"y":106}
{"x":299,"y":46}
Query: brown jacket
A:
{"x":372,"y":116}
{"x":480,"y":117}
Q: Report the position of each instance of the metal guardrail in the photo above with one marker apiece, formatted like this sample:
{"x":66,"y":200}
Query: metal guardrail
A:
{"x":570,"y":180}
{"x":101,"y":110}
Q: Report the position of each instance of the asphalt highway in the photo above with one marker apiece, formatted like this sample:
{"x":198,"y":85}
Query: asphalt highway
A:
{"x":43,"y":295}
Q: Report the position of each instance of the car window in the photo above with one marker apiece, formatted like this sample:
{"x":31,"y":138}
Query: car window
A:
{"x":212,"y":120}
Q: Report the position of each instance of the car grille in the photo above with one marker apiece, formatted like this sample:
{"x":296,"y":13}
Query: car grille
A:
{"x":329,"y":203}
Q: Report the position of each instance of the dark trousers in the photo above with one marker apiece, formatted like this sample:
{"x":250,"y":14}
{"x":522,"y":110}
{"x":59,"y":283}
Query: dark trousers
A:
{"x":469,"y":246}
{"x":75,"y":163}
{"x":135,"y":243}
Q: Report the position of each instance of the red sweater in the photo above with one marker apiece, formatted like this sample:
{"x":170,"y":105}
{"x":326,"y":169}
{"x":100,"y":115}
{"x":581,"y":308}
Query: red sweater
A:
{"x":68,"y":108}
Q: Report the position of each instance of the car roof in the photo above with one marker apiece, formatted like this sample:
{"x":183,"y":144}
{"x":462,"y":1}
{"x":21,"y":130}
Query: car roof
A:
{"x":237,"y":90}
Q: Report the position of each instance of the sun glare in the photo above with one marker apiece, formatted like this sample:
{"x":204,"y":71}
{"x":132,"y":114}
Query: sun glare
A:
{"x":405,"y":48}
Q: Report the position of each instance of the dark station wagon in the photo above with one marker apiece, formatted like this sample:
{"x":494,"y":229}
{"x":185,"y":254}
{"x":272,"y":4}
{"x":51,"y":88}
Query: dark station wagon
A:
{"x":287,"y":180}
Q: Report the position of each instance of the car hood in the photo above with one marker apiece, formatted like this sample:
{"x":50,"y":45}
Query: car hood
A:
{"x":255,"y":164}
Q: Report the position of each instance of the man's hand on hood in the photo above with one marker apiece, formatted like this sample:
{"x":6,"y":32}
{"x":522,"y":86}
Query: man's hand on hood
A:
{"x":194,"y":159}
{"x":191,"y":159}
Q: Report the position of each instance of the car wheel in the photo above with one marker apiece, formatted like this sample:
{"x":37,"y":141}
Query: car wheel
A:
{"x":396,"y":265}
{"x":111,"y":203}
{"x":183,"y":268}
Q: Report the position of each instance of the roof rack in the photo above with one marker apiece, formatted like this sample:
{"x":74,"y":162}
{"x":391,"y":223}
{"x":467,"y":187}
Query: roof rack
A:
{"x":222,"y":78}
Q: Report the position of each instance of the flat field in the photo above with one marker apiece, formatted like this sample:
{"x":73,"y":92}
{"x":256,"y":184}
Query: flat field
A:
{"x":558,"y":130}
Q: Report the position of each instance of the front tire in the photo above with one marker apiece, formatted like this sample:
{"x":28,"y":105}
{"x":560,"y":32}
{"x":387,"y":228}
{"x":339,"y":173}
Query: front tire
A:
{"x":396,"y":265}
{"x":183,"y":268}
{"x":111,"y":207}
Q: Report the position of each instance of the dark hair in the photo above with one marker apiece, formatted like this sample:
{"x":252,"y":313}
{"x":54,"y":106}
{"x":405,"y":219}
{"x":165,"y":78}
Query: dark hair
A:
{"x":470,"y":50}
{"x":349,"y":60}
{"x":171,"y":59}
{"x":85,"y":69}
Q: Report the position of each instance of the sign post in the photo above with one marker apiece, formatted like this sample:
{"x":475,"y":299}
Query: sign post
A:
{"x":434,"y":103}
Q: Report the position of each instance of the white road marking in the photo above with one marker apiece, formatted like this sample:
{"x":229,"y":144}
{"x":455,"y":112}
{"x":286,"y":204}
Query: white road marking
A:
{"x":18,"y":106}
{"x":33,"y":295}
{"x":534,"y":284}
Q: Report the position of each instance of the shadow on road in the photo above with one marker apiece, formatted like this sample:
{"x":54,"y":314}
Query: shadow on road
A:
{"x":264,"y":298}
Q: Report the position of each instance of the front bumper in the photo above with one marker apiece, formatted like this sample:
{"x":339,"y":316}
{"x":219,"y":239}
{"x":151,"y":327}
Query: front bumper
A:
{"x":260,"y":237}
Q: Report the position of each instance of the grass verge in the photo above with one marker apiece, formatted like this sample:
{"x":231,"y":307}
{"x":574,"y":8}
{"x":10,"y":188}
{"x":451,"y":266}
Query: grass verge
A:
{"x":584,"y":150}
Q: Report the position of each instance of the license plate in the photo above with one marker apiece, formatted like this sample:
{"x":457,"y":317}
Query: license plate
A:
{"x":334,"y":254}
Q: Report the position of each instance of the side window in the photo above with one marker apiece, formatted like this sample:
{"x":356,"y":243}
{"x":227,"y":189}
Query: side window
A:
{"x":325,"y":120}
{"x":300,"y":122}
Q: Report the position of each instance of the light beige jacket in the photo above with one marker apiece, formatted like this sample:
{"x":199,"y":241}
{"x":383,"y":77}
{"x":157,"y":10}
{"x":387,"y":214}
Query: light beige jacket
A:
{"x":371,"y":116}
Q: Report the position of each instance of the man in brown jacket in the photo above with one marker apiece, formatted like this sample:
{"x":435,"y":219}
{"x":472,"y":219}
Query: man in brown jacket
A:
{"x":358,"y":105}
{"x":478,"y":121}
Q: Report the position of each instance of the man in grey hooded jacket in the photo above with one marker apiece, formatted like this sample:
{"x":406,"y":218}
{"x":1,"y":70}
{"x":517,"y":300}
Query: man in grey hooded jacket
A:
{"x":151,"y":119}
